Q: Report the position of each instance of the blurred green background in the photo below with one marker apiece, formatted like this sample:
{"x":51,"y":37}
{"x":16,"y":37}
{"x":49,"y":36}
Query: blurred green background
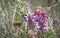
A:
{"x":11,"y":11}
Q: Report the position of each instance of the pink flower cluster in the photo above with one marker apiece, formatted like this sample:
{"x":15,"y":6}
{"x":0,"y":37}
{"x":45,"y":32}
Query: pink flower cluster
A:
{"x":39,"y":18}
